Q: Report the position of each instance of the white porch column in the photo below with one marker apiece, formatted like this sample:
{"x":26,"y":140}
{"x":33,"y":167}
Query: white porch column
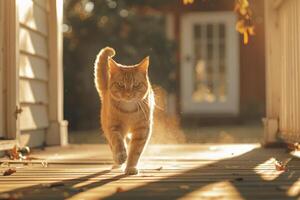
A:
{"x":57,"y":133}
{"x":273,"y":73}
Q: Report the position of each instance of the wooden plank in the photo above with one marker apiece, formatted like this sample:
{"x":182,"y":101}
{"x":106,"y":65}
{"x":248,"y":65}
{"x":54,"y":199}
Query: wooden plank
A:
{"x":33,"y":43}
{"x":221,"y":178}
{"x":34,"y":138}
{"x":33,"y":67}
{"x":32,"y":91}
{"x":33,"y":17}
{"x":33,"y":117}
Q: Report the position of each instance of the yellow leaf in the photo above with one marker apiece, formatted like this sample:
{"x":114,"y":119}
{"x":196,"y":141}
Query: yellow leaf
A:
{"x":246,"y":37}
{"x":244,"y":3}
{"x":251,"y":30}
{"x":185,"y":2}
{"x":240,"y":27}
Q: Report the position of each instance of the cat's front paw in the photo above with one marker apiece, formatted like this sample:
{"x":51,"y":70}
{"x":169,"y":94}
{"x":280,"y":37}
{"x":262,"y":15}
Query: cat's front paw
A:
{"x":131,"y":171}
{"x":121,"y":158}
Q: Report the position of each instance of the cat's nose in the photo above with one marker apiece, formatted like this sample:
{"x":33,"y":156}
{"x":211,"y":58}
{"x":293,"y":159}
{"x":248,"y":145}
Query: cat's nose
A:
{"x":127,"y":95}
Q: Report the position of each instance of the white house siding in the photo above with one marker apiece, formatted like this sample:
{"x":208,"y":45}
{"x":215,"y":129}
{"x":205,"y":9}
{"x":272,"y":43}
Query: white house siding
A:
{"x":33,"y":71}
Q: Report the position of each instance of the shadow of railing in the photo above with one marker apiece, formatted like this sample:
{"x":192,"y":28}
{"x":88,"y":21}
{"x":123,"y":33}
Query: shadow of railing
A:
{"x":60,"y":189}
{"x":263,"y":188}
{"x":247,"y":183}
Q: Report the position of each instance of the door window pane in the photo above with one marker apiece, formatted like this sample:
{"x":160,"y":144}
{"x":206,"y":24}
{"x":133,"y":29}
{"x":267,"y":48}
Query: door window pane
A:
{"x":210,"y":83}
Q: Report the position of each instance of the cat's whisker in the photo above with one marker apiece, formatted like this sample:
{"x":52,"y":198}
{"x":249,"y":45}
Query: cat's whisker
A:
{"x":145,"y":102}
{"x":155,"y":105}
{"x":142,"y":109}
{"x":138,"y":108}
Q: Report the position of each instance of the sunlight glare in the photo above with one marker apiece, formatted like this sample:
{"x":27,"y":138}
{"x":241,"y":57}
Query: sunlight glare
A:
{"x":89,"y":6}
{"x":129,"y":136}
{"x":267,"y":170}
{"x":296,"y":153}
{"x":218,"y":190}
{"x":206,"y":152}
{"x":294,"y":190}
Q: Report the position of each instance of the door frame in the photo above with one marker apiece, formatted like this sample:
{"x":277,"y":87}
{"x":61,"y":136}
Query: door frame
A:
{"x":10,"y":69}
{"x":186,"y":70}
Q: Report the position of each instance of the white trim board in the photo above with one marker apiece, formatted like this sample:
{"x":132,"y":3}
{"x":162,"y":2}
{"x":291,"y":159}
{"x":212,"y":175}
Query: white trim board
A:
{"x":188,"y":105}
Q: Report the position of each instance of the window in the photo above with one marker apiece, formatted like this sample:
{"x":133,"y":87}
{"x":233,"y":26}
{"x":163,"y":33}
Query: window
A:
{"x":209,"y":70}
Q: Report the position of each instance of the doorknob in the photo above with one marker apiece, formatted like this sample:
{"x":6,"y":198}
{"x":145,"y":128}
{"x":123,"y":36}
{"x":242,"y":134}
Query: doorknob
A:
{"x":188,"y":58}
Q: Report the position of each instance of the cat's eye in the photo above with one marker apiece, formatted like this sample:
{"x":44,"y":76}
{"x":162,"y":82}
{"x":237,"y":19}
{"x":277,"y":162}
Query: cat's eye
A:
{"x":121,"y":85}
{"x":137,"y":85}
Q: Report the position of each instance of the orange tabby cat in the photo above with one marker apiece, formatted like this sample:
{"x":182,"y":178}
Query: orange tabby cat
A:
{"x":127,"y":107}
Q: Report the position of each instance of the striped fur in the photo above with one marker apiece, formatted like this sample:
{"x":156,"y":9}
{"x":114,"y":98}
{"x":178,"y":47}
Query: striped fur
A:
{"x":127,"y":107}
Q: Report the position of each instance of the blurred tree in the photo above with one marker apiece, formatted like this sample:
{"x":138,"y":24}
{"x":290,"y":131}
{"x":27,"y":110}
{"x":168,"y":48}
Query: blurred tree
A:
{"x":133,"y":29}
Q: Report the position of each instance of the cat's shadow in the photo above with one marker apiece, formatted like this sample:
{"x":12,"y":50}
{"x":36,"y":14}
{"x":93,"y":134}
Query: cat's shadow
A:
{"x":170,"y":187}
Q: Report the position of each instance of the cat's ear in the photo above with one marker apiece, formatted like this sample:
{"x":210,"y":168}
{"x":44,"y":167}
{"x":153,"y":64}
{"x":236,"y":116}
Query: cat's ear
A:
{"x":113,"y":65}
{"x":144,"y":64}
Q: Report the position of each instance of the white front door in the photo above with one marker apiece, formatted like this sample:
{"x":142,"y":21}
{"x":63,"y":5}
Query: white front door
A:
{"x":209,"y":63}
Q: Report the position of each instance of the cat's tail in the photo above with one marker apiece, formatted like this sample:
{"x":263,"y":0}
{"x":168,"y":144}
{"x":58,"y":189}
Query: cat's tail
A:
{"x":101,"y":69}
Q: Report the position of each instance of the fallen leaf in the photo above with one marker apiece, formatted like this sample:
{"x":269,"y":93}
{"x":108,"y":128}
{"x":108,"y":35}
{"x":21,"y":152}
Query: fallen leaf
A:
{"x":9,"y":172}
{"x":13,"y":153}
{"x":17,"y":153}
{"x":119,"y":189}
{"x":293,"y":146}
{"x":24,"y":150}
{"x":279,"y":166}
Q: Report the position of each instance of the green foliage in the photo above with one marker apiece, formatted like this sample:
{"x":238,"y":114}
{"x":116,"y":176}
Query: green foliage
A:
{"x":130,"y":27}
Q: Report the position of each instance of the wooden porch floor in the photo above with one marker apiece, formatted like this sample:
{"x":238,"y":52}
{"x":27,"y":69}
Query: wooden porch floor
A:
{"x":168,"y":172}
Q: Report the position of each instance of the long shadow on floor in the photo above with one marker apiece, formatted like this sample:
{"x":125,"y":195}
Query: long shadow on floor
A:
{"x":261,"y":189}
{"x":170,"y":187}
{"x":59,"y":190}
